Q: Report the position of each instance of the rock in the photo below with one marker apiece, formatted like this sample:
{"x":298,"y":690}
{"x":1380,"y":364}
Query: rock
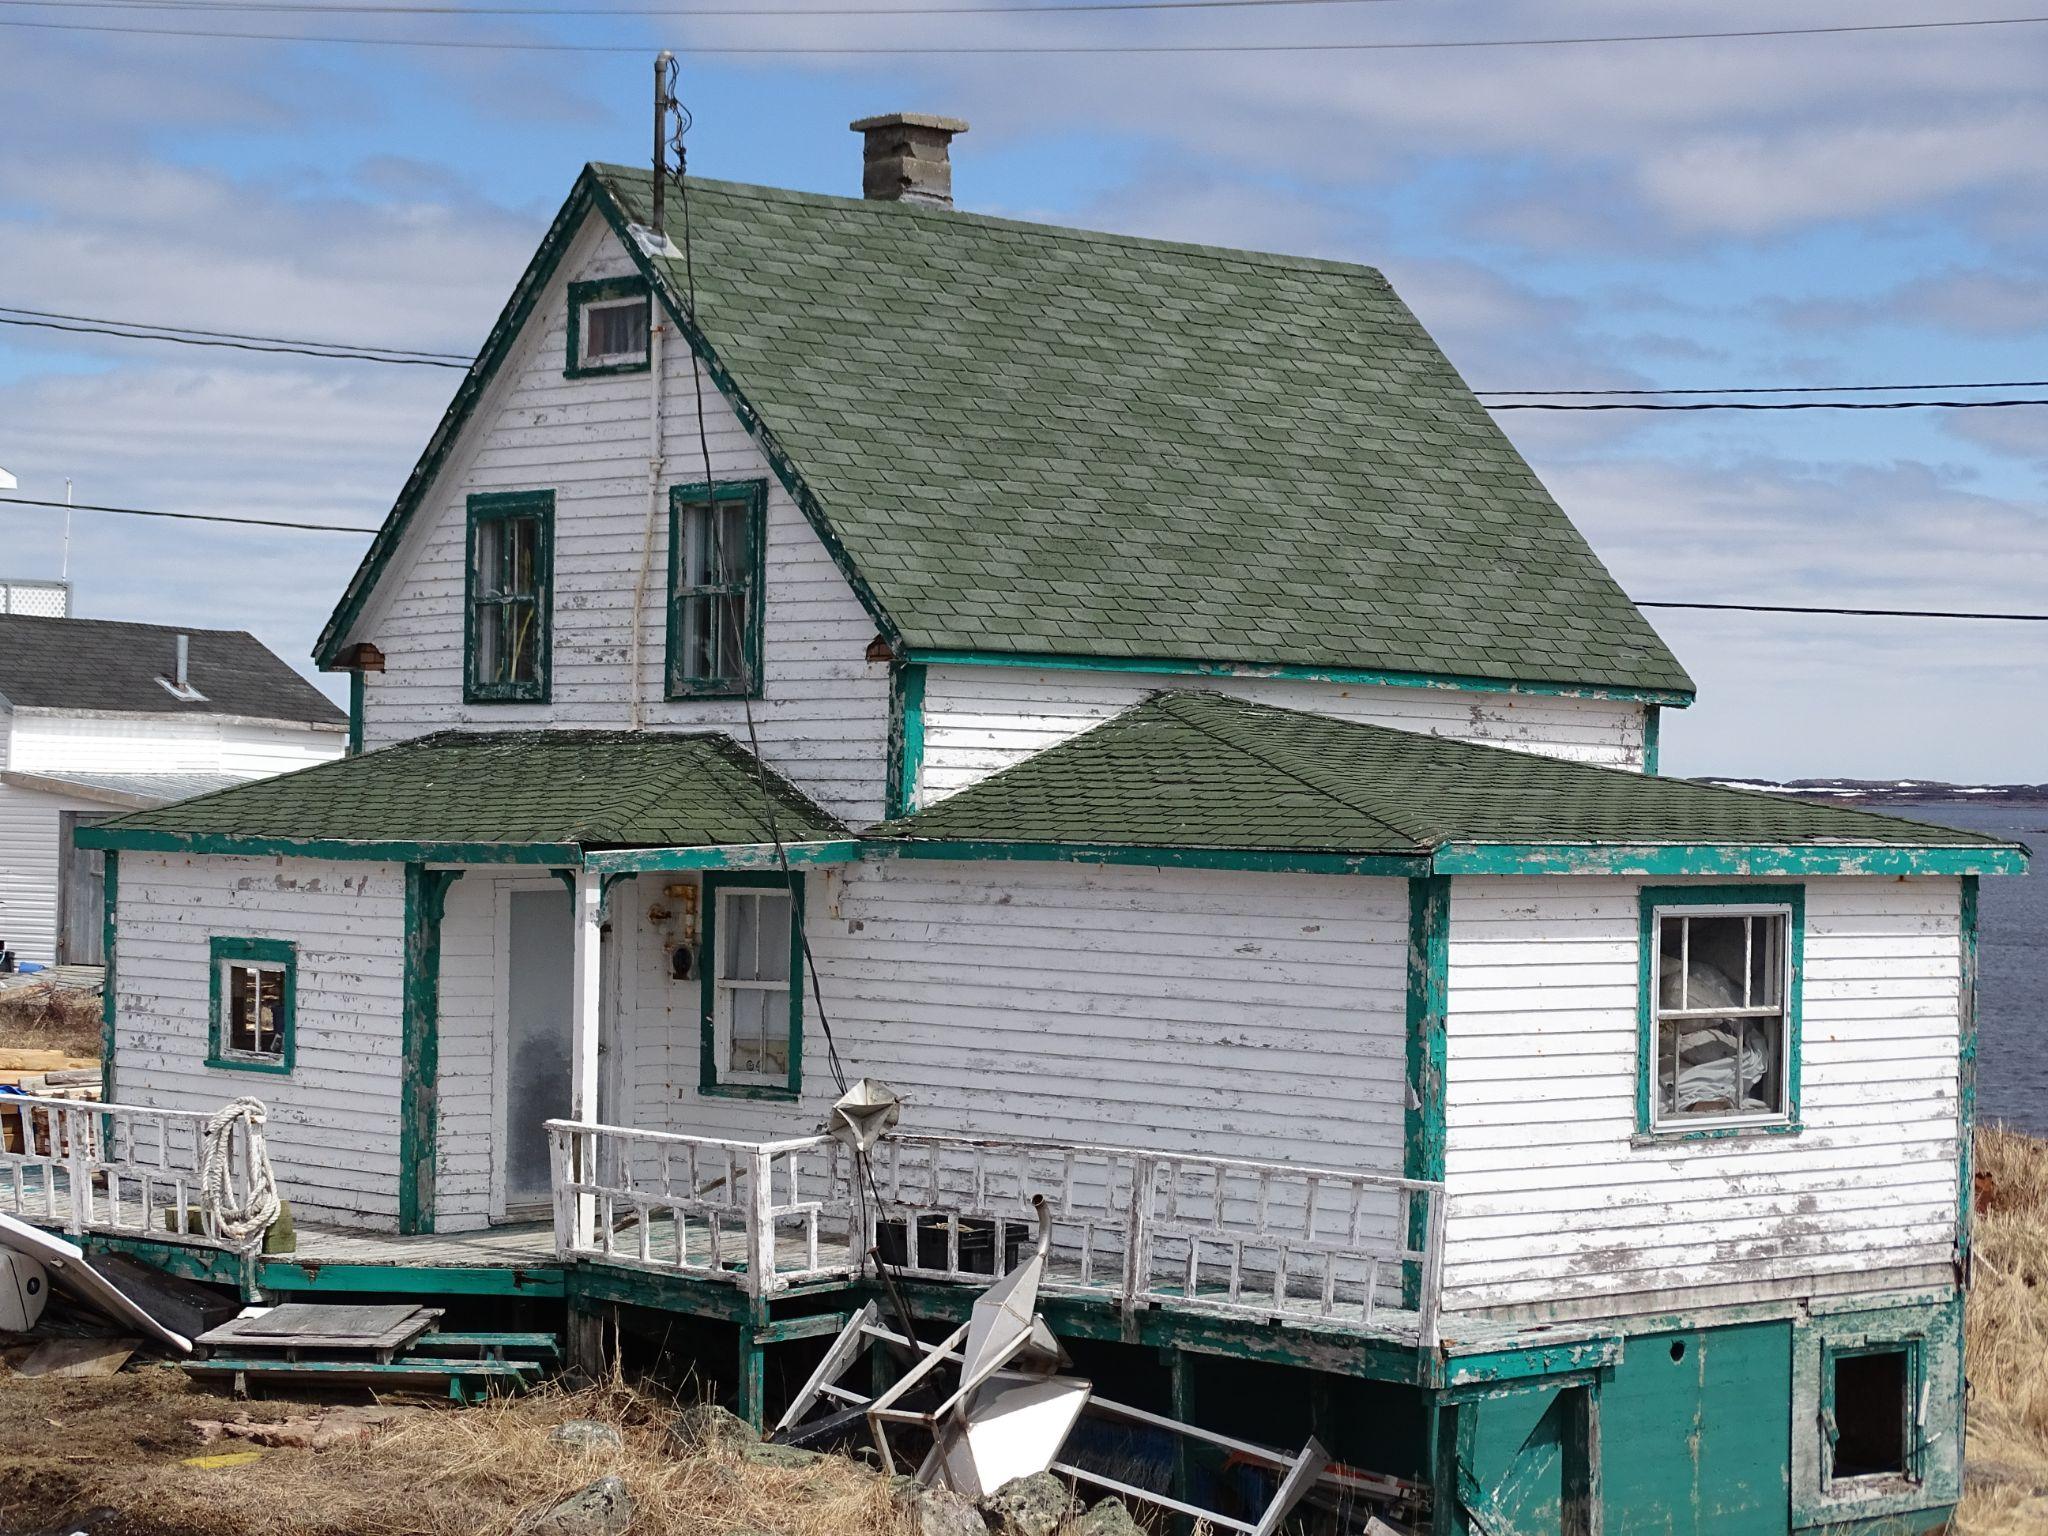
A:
{"x":1109,"y":1518}
{"x":1028,"y":1506}
{"x":785,"y":1457}
{"x":708,"y":1427}
{"x":605,"y":1508}
{"x":586,"y":1435}
{"x":942,"y":1512}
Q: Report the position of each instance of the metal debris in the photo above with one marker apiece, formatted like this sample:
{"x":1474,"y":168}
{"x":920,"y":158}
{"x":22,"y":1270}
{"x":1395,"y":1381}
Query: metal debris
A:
{"x":864,"y":1114}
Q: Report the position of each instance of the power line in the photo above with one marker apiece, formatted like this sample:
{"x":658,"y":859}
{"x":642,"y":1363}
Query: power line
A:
{"x":1001,"y":7}
{"x":185,"y":517}
{"x":1866,"y":613}
{"x":288,"y":341}
{"x":1761,"y":405}
{"x":1767,"y":389}
{"x":907,"y":50}
{"x":1858,"y":613}
{"x":238,"y":346}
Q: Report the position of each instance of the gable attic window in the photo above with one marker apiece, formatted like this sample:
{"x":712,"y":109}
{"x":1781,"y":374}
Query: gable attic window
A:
{"x":1720,"y":1008}
{"x":716,"y":573}
{"x":607,"y":327}
{"x":252,"y":998}
{"x":509,"y":595}
{"x":752,"y":986}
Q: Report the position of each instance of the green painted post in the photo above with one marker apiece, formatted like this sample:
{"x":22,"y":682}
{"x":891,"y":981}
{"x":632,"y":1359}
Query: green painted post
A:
{"x":1653,"y":722}
{"x":1582,"y":1514}
{"x":357,"y":683}
{"x":109,"y":1014}
{"x":1966,"y":1195}
{"x":1181,"y":1365}
{"x":753,"y":1370}
{"x":426,"y":895}
{"x":1429,"y":930}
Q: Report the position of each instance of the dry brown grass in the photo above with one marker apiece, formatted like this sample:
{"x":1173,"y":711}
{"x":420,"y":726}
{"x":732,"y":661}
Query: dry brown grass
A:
{"x":42,"y":1017}
{"x":2007,"y":1333}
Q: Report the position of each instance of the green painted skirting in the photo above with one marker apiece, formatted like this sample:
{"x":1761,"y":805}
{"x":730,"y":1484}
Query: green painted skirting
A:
{"x":541,"y":1281}
{"x":1183,"y":667}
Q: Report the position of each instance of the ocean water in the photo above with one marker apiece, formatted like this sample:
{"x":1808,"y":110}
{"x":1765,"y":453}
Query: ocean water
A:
{"x":2012,"y":964}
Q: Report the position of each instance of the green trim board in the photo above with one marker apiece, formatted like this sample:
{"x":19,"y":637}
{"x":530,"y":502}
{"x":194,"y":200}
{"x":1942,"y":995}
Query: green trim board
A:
{"x":709,"y":1080}
{"x":358,"y":687}
{"x":750,"y":590}
{"x":906,"y":737}
{"x":426,"y":896}
{"x":1724,"y":859}
{"x":110,"y":927}
{"x":508,"y":594}
{"x":396,"y":850}
{"x":755,"y":856}
{"x":1424,"y":1139}
{"x":1654,"y":900}
{"x":1270,"y":860}
{"x":1653,"y":729}
{"x":1966,"y":1066}
{"x":1347,"y":676}
{"x":541,"y":1282}
{"x":596,"y":292}
{"x":225,"y":950}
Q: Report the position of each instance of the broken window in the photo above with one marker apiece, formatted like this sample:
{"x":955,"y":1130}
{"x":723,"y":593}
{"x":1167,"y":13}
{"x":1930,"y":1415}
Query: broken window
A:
{"x":1870,"y":1417}
{"x":715,"y":575}
{"x":1722,"y":1041}
{"x":252,"y":998}
{"x":753,"y":984}
{"x":510,"y":573}
{"x":608,"y":327}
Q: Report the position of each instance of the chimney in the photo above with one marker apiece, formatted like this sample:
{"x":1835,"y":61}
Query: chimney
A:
{"x":183,"y":682}
{"x":905,"y":159}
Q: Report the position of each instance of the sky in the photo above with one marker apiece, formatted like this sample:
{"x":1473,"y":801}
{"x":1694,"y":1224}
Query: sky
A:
{"x":1835,"y":209}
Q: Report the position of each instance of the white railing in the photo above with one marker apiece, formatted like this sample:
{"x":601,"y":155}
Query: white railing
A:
{"x":112,"y":1168}
{"x":1223,"y":1235}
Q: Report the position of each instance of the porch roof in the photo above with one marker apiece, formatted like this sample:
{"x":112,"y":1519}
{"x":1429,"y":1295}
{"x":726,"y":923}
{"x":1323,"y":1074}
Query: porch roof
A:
{"x":1199,"y":778}
{"x":493,"y":796}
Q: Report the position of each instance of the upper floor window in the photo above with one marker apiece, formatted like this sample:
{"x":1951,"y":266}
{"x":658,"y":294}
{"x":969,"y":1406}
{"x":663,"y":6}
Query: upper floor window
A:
{"x":253,"y":998}
{"x":753,"y":985}
{"x":608,"y":323}
{"x":510,"y":595}
{"x":1721,"y":1010}
{"x":717,"y":539}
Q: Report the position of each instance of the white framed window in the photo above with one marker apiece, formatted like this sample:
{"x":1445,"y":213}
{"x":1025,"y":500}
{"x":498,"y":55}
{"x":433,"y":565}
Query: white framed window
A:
{"x":253,"y":997}
{"x":608,"y":326}
{"x":752,"y":978}
{"x":1721,"y":1012}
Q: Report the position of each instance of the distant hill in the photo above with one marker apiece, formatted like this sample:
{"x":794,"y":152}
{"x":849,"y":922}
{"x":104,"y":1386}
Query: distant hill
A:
{"x":1877,"y":791}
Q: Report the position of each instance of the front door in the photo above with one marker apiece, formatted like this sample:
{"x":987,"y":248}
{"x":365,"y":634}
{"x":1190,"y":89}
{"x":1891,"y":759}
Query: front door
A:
{"x":537,"y":1036}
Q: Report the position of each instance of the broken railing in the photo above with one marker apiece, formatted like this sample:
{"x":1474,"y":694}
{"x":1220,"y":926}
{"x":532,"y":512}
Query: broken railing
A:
{"x":1223,"y":1235}
{"x":81,"y":1166}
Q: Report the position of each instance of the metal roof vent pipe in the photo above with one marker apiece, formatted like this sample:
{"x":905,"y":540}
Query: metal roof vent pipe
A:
{"x":906,"y":157}
{"x":180,"y":681}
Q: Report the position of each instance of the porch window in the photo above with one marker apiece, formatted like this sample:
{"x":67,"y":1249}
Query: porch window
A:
{"x":1720,"y":1008}
{"x":716,"y":542}
{"x":510,"y":595}
{"x":753,"y":985}
{"x":252,"y":996}
{"x":608,"y":325}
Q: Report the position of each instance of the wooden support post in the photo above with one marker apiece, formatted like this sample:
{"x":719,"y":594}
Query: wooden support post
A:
{"x":584,"y":1345}
{"x":1181,"y":1365}
{"x":1582,"y":1495}
{"x":752,"y":1404}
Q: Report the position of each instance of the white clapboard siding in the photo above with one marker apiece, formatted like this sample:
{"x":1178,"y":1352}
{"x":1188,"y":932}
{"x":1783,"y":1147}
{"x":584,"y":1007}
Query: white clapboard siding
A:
{"x":1555,"y":1211}
{"x":57,"y":741}
{"x":979,"y":720}
{"x":333,"y":1122}
{"x":1234,"y":1014}
{"x":30,"y":834}
{"x":824,"y":720}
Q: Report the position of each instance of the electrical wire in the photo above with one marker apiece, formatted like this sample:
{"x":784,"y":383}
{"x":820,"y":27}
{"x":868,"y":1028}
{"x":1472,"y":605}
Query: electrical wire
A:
{"x":465,"y":359}
{"x":999,"y":8}
{"x":237,"y":346}
{"x":1860,"y":613}
{"x":1761,"y":405}
{"x":183,"y":517}
{"x":1763,"y":389}
{"x":888,"y":50}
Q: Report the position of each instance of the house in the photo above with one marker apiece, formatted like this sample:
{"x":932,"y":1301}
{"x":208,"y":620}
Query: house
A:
{"x":1131,"y":699}
{"x":99,"y":718}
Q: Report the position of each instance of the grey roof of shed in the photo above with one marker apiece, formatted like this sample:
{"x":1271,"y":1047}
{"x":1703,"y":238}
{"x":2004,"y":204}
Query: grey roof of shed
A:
{"x":110,"y":666}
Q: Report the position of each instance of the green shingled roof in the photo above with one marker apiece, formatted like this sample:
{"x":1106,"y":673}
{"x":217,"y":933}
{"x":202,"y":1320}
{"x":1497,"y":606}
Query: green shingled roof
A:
{"x":1025,"y":439}
{"x":591,"y":789}
{"x":1198,"y":770}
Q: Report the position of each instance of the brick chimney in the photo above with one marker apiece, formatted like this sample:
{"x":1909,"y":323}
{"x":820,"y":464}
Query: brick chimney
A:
{"x":905,"y":158}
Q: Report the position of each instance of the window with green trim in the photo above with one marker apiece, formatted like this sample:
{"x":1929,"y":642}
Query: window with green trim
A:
{"x":252,"y":997}
{"x":752,"y":985}
{"x":1720,"y":1030}
{"x":717,"y":538}
{"x":509,"y":597}
{"x":608,"y":327}
{"x":1870,"y":1414}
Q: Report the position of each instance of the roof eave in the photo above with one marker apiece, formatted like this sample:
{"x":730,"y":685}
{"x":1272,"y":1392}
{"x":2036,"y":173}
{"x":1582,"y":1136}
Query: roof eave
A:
{"x":1729,"y":859}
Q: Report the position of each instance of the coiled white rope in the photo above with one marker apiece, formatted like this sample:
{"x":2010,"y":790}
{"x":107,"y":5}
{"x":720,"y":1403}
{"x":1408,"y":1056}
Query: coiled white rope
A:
{"x":238,"y":1216}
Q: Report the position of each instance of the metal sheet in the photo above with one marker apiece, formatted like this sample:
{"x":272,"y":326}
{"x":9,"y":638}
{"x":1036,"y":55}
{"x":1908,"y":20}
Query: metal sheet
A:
{"x":1010,"y":1429}
{"x":71,"y":1274}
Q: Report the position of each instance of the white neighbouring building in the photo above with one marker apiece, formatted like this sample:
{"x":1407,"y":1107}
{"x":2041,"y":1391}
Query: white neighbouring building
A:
{"x":94,"y":723}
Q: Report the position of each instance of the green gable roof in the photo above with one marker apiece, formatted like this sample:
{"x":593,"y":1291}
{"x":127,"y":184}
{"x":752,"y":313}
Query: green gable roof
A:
{"x":1038,"y":441}
{"x":495,"y":791}
{"x":1197,"y":770}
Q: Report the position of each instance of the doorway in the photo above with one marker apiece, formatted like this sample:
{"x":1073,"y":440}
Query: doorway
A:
{"x":81,"y":894}
{"x":537,"y":1044}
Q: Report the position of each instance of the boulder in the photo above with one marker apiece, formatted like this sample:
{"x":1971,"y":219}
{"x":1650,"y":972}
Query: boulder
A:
{"x":605,"y":1508}
{"x":1028,"y":1506}
{"x":782,"y":1457}
{"x":708,"y":1427}
{"x":942,"y":1512}
{"x":587,"y":1436}
{"x":1109,"y":1518}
